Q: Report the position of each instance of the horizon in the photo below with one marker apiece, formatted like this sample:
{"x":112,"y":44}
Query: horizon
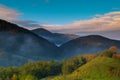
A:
{"x":81,"y":17}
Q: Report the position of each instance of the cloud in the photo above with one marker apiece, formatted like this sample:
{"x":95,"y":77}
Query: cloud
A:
{"x":99,"y":23}
{"x":7,"y":13}
{"x":106,"y":24}
{"x":12,"y":15}
{"x":26,"y":23}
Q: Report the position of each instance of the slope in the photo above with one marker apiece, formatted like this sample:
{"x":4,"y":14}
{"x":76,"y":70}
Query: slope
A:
{"x":100,"y":68}
{"x":56,"y":38}
{"x":87,"y":44}
{"x":20,"y":45}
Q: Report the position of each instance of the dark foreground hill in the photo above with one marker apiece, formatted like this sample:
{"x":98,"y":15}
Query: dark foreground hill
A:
{"x":19,"y":45}
{"x":87,"y":44}
{"x":56,"y":38}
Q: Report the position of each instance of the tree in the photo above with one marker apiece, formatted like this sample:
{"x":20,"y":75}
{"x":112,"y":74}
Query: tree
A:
{"x":113,"y":49}
{"x":30,"y":77}
{"x":14,"y":77}
{"x":110,"y":52}
{"x":70,"y":65}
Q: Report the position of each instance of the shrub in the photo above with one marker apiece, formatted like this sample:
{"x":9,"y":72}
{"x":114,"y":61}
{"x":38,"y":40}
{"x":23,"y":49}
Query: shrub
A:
{"x":110,"y":52}
{"x":70,"y":65}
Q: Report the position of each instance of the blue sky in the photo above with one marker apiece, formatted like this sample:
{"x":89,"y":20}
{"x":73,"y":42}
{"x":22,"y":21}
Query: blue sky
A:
{"x":61,"y":11}
{"x":83,"y":17}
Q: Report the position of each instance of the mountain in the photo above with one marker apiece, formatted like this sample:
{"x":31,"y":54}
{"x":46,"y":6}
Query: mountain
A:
{"x":56,"y":38}
{"x":87,"y":44}
{"x":19,"y":45}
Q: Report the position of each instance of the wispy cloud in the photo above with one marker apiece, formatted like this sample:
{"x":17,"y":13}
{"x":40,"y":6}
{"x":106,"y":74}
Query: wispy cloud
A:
{"x":106,"y":22}
{"x":7,"y":13}
{"x":27,"y":23}
{"x":12,"y":15}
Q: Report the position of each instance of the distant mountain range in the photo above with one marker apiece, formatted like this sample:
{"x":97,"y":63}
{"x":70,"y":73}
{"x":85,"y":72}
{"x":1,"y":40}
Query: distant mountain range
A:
{"x":56,"y":38}
{"x":19,"y":45}
{"x":88,"y":44}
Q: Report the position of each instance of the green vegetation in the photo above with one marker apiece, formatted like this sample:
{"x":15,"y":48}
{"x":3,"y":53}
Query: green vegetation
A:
{"x":102,"y":66}
{"x":110,"y":52}
{"x":31,"y":71}
{"x":72,"y":64}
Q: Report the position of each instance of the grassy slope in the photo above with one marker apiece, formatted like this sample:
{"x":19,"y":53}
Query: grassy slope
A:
{"x":100,"y":68}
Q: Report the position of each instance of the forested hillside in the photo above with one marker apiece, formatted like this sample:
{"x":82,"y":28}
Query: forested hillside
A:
{"x":102,"y":66}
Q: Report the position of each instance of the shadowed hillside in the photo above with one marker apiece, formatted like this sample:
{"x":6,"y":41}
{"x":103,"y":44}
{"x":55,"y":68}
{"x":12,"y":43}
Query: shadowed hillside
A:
{"x":88,"y":44}
{"x":56,"y":38}
{"x":20,"y":45}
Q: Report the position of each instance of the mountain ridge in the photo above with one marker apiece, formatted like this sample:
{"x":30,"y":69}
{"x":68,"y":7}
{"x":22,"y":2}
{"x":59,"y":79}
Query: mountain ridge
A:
{"x":17,"y":43}
{"x":88,"y":44}
{"x":56,"y":38}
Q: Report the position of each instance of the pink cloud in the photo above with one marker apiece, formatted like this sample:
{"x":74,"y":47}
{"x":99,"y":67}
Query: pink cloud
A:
{"x":7,"y":13}
{"x":107,"y":22}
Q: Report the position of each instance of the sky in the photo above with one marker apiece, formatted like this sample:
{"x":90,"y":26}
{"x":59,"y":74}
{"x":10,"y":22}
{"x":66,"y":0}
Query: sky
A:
{"x":83,"y":17}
